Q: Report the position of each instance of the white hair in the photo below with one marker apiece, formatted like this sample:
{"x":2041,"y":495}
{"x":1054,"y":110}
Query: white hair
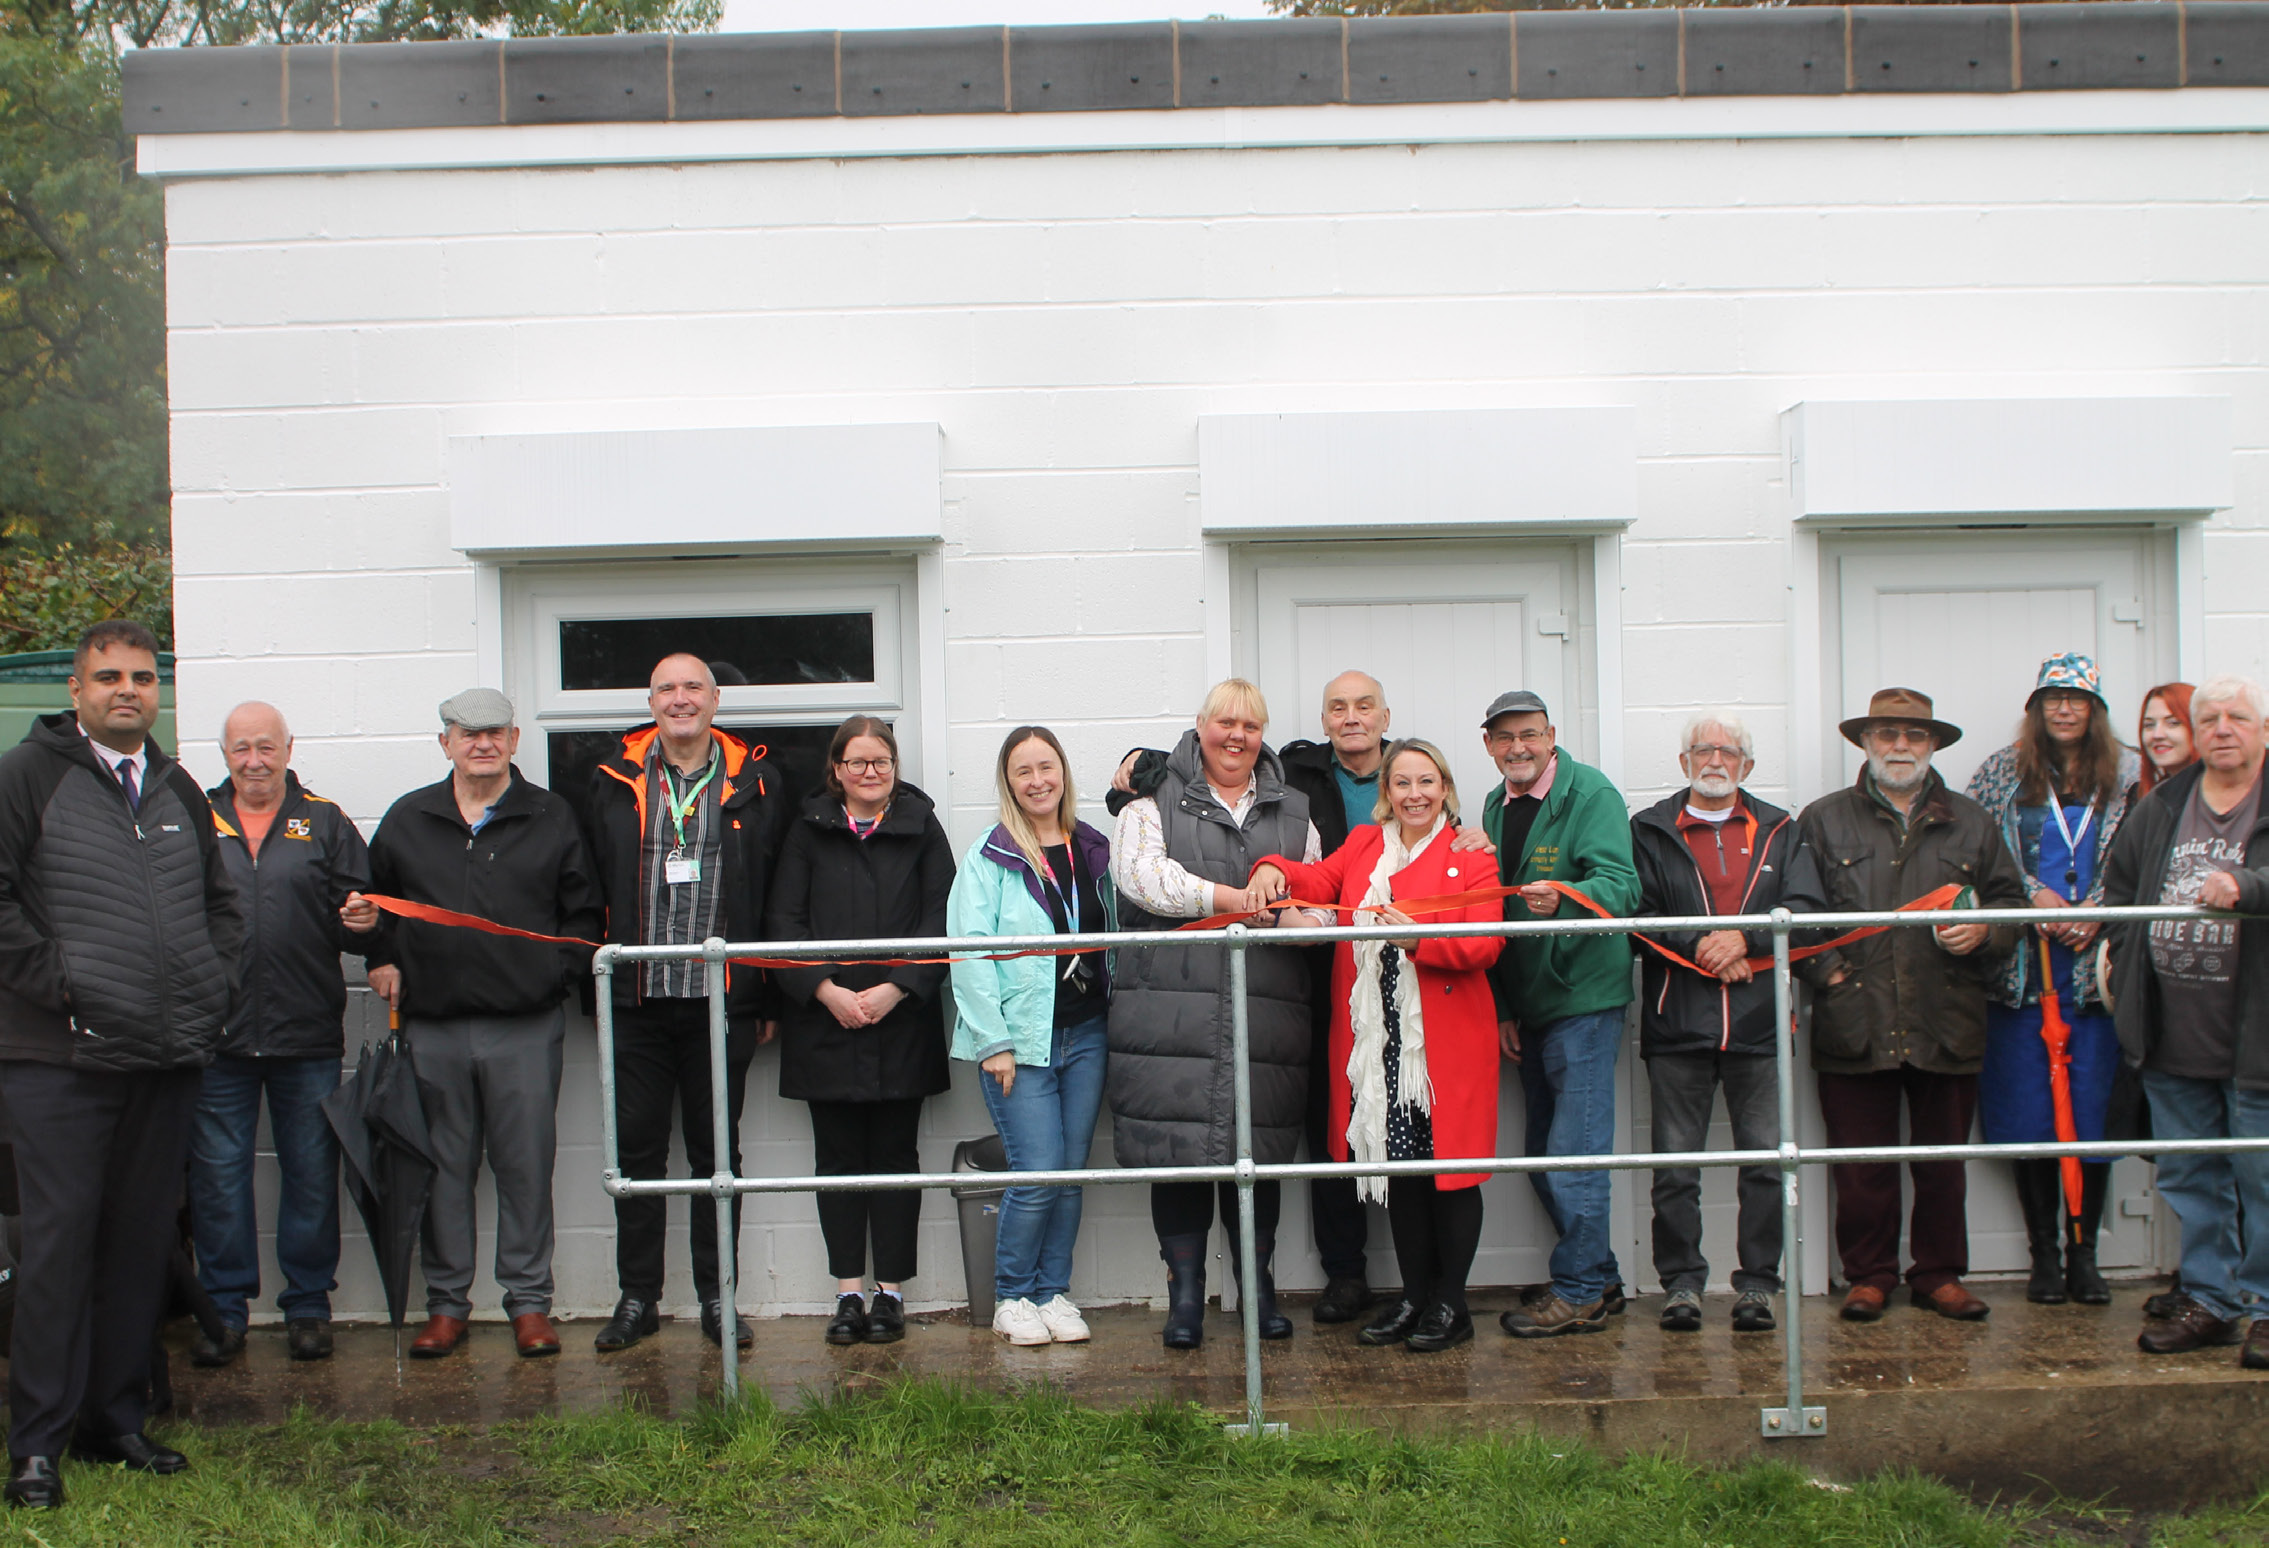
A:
{"x":255,"y":706}
{"x":1726,"y":720}
{"x":2230,"y":690}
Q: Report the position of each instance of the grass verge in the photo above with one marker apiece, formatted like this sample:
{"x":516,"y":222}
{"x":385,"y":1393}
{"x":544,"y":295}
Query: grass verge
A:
{"x":926,"y":1463}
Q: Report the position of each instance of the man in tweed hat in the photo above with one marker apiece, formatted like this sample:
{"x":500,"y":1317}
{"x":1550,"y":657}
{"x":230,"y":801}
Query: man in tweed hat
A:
{"x":482,"y":1014}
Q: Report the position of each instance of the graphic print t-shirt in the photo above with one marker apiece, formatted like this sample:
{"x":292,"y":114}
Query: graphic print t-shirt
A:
{"x":2196,"y":959}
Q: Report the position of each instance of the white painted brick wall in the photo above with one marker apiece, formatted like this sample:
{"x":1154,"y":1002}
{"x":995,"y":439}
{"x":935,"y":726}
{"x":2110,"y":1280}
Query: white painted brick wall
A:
{"x":1066,"y":320}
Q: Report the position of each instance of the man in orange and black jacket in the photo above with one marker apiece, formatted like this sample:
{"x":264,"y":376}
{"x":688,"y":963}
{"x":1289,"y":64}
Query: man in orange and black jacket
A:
{"x":684,"y":822}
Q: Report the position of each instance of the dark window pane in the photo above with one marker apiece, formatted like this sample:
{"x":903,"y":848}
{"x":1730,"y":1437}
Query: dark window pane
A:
{"x":774,"y":648}
{"x":798,"y":753}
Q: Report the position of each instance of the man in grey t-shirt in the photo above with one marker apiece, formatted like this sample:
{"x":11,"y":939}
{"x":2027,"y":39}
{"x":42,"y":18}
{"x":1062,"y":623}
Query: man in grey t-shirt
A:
{"x":2193,"y":1010}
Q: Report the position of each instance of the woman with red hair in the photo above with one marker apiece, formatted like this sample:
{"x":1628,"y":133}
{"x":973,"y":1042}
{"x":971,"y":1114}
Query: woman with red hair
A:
{"x":2164,"y":735}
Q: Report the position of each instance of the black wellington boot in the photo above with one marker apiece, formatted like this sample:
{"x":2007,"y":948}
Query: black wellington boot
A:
{"x":1274,"y":1324}
{"x":2082,"y":1281}
{"x":2039,"y":1190}
{"x":1185,"y":1290}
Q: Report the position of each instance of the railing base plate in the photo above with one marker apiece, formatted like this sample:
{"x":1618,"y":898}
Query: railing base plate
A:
{"x":1775,"y":1424}
{"x":1268,"y":1431}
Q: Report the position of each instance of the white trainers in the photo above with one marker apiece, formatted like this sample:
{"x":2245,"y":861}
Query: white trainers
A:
{"x":1019,"y":1322}
{"x":1063,"y":1321}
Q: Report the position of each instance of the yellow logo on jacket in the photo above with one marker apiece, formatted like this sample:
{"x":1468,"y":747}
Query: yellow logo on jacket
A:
{"x":297,"y":827}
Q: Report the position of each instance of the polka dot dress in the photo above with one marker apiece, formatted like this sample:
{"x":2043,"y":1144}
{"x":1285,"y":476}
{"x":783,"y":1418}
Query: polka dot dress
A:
{"x":1410,"y":1133}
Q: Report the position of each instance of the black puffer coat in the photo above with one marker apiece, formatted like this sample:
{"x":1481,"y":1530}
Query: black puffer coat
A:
{"x":1172,"y":1081}
{"x":120,"y":931}
{"x":832,"y":885}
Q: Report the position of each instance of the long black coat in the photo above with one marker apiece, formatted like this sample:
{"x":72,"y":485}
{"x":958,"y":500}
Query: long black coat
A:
{"x":831,"y":885}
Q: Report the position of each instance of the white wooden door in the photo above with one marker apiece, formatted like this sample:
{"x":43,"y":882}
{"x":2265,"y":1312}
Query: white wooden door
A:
{"x":1967,"y":619}
{"x":1444,"y":632}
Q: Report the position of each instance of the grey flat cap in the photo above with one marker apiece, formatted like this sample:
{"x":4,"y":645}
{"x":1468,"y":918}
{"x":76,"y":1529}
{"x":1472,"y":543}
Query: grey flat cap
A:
{"x":477,"y":709}
{"x":1518,"y":701}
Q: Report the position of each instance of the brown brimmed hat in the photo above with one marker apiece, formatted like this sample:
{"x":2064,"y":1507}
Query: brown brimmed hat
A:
{"x":1900,"y":704}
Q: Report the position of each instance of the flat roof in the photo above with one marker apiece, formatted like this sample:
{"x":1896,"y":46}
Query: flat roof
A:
{"x":1798,"y":50}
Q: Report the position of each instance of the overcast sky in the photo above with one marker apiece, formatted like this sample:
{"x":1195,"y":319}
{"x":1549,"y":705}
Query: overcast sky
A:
{"x":857,"y":15}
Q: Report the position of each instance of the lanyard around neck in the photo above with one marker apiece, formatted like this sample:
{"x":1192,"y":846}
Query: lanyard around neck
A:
{"x":679,"y":811}
{"x":2071,"y":838}
{"x":1067,"y":893}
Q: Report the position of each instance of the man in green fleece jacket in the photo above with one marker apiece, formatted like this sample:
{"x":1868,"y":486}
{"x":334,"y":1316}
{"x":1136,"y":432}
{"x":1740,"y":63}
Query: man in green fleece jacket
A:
{"x":1560,"y":998}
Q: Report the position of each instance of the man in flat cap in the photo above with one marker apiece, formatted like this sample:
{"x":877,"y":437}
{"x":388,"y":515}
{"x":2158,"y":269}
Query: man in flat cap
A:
{"x":1899,"y":1018}
{"x":482,"y":1014}
{"x":1561,"y":998}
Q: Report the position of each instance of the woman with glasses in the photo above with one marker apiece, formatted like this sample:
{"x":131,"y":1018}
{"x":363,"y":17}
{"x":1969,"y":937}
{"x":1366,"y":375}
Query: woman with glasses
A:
{"x":2059,"y":792}
{"x":863,"y":1043}
{"x":1036,"y":1024}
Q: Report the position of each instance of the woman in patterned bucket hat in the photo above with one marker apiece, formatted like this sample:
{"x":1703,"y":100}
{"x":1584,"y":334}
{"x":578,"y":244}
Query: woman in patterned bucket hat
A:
{"x":2059,"y":792}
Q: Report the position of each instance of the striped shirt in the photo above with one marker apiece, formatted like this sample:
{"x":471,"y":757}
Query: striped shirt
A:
{"x":683,"y":914}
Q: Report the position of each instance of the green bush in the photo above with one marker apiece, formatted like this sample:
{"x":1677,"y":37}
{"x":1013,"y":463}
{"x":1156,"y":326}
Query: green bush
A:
{"x":48,"y":599}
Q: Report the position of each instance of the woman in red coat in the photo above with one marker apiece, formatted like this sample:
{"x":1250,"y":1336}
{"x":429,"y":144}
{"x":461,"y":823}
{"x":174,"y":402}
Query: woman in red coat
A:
{"x":1413,"y":1037}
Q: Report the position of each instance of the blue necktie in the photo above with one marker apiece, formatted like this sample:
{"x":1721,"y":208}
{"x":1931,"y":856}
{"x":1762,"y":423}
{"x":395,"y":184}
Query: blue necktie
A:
{"x":126,"y":778}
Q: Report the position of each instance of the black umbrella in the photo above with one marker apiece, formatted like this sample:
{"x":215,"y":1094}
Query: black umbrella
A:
{"x":380,"y":1122}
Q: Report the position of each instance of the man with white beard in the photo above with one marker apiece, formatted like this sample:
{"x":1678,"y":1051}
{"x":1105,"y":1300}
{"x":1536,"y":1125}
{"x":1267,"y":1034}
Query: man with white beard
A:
{"x":1714,"y":848}
{"x":1899,"y":1017}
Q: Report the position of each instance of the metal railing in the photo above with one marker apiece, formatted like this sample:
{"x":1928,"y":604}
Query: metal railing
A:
{"x":1791,"y":1419}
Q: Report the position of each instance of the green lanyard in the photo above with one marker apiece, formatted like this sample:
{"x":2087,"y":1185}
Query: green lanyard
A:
{"x":679,"y":812}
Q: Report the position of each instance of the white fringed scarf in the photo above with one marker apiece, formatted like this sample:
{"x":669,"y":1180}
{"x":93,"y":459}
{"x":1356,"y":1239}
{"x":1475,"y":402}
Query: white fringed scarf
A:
{"x":1367,"y":1019}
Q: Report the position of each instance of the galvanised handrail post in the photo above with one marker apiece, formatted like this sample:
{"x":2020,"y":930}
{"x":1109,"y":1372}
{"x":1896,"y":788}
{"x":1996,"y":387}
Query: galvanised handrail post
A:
{"x":1248,"y":1236}
{"x":603,"y":1018}
{"x":1795,"y":1418}
{"x":721,"y":1180}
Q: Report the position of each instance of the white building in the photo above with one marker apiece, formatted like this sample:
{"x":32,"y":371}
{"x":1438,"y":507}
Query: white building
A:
{"x":1649,"y":359}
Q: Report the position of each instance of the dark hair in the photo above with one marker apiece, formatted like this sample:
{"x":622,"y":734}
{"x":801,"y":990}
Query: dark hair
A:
{"x":2090,"y":772}
{"x":850,"y":731}
{"x":111,"y":631}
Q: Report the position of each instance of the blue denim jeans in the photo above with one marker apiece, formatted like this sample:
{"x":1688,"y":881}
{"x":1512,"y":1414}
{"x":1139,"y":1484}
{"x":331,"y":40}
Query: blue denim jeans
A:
{"x":221,"y":1145}
{"x":1568,"y":1078}
{"x":1046,"y":1123}
{"x":2225,"y":1263}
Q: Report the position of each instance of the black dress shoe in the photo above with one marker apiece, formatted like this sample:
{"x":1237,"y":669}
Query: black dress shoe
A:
{"x":713,"y":1326}
{"x":1345,"y":1298}
{"x":211,"y":1353}
{"x":34,"y":1483}
{"x":886,"y":1318}
{"x":1391,"y":1326}
{"x":634,"y":1319}
{"x":136,"y":1452}
{"x":1443,"y":1327}
{"x":308,"y":1338}
{"x":849,"y":1324}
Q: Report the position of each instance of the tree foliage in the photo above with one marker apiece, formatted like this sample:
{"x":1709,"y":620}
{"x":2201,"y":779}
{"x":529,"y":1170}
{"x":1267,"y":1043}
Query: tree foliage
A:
{"x":82,"y":236}
{"x":48,"y":599}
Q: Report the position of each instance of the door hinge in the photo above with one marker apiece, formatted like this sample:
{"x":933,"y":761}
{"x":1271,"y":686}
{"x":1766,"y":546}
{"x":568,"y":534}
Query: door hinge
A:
{"x":1552,"y":623}
{"x":2127,"y":613}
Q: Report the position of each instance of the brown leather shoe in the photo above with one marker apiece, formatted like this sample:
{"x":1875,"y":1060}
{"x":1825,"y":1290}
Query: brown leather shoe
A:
{"x":441,"y":1336}
{"x":1951,"y":1300}
{"x":535,"y":1335}
{"x":1864,"y":1303}
{"x":2190,"y":1327}
{"x":2255,"y":1355}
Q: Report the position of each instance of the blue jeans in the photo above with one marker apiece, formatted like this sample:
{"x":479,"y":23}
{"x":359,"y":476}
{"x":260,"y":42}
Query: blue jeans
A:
{"x":223,"y":1136}
{"x":1568,"y":1078}
{"x":2225,"y":1266}
{"x":1046,"y":1122}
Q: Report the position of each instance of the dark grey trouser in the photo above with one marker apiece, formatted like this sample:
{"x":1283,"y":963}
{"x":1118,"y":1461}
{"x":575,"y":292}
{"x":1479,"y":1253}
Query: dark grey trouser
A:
{"x":490,"y":1084}
{"x":1681,"y":1088}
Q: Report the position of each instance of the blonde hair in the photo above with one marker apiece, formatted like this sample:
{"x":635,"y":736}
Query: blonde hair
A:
{"x":1013,"y":816}
{"x":1383,"y":808}
{"x":1234,"y":693}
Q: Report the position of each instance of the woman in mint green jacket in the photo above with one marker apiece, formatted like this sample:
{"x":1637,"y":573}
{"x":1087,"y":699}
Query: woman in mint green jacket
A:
{"x":1036,"y":1025}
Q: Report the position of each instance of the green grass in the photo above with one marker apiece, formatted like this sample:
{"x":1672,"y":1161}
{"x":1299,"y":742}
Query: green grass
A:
{"x":930,"y":1464}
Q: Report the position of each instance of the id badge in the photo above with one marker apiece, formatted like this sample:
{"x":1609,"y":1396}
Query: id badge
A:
{"x":681,"y":870}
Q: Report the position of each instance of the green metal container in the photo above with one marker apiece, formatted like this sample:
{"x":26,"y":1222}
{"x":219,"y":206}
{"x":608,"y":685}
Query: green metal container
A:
{"x":38,"y":683}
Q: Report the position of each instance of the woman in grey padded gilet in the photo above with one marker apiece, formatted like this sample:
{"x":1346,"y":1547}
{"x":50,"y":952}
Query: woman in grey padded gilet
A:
{"x":1186,"y":853}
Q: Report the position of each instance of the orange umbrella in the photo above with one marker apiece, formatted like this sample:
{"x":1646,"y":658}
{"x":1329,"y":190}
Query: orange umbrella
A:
{"x":2058,"y":1036}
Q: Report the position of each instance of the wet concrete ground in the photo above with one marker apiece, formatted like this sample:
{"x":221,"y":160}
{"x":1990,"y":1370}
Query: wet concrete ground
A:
{"x":2035,"y":1395}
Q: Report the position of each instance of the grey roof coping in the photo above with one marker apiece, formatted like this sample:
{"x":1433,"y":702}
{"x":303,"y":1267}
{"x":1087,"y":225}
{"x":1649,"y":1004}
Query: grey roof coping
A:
{"x":1730,"y":51}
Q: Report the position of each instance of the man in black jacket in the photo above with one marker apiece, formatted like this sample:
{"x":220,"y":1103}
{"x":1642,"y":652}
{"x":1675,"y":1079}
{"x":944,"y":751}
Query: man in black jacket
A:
{"x":294,"y":857}
{"x":1340,"y":778}
{"x":119,"y":941}
{"x":684,"y":819}
{"x":2192,"y":1006}
{"x":1713,"y":848}
{"x":482,"y":1013}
